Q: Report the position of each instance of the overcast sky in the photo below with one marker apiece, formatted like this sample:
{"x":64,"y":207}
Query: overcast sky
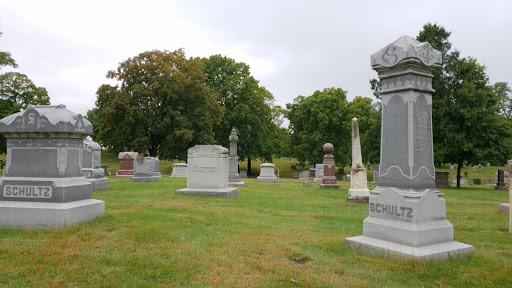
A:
{"x":292,"y":47}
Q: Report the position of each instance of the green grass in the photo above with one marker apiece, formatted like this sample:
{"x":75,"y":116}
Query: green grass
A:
{"x":272,"y":235}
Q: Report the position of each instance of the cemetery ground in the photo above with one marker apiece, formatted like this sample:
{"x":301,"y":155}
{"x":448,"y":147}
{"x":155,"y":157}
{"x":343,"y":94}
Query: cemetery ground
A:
{"x":271,"y":235}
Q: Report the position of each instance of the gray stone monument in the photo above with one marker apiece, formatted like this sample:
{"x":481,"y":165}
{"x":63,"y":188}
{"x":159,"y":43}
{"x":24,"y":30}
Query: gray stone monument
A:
{"x":451,"y":167}
{"x":42,"y":186}
{"x":375,"y":174}
{"x":267,"y":173}
{"x":407,"y":214}
{"x":233,"y":176}
{"x":179,"y":170}
{"x":91,"y":165}
{"x":144,"y":170}
{"x":243,"y":173}
{"x":207,"y":172}
{"x":157,"y":167}
{"x":358,"y":192}
{"x":319,"y":173}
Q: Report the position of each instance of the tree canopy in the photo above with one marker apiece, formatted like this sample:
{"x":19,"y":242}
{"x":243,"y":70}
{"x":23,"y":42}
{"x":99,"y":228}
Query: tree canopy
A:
{"x":249,"y":108}
{"x":162,"y":106}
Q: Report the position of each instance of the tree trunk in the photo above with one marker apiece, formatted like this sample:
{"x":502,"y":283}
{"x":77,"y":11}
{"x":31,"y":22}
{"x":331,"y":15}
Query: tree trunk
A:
{"x":248,"y":166}
{"x":459,"y":166}
{"x":154,"y":149}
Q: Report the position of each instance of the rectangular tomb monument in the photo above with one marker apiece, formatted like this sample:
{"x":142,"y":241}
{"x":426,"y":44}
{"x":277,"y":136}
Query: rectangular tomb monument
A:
{"x":42,"y":185}
{"x":91,"y":165}
{"x":144,"y":170}
{"x":179,"y":170}
{"x":126,"y":164}
{"x":207,"y":172}
{"x":407,"y":213}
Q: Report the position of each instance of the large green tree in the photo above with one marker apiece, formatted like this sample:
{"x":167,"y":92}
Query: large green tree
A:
{"x":162,"y":106}
{"x":17,"y":91}
{"x":326,"y":117}
{"x":6,"y":58}
{"x":249,"y":108}
{"x":467,"y":124}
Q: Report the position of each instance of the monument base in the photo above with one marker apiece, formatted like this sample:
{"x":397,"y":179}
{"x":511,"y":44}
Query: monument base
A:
{"x":124,"y":174}
{"x":39,"y":215}
{"x":99,"y":183}
{"x":240,"y":184}
{"x":504,"y":207}
{"x":500,"y":187}
{"x":330,"y":186}
{"x":266,"y":179}
{"x":144,"y":179}
{"x":358,"y":199}
{"x":158,"y":174}
{"x":220,"y":192}
{"x":439,"y":251}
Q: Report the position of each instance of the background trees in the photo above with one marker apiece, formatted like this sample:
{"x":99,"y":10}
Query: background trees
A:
{"x":249,"y":108}
{"x":162,"y":106}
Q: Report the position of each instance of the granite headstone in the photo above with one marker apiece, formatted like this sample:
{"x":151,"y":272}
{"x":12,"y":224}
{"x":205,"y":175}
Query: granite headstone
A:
{"x":126,"y":164}
{"x":91,"y":165}
{"x":179,"y":170}
{"x":267,"y":173}
{"x":319,"y":173}
{"x":144,"y":170}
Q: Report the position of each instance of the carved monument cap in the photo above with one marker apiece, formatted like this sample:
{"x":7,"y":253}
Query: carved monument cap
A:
{"x":207,"y":151}
{"x":233,"y":137}
{"x":127,"y":155}
{"x":404,"y":48}
{"x":46,"y":118}
{"x":268,"y":165}
{"x":328,"y":148}
{"x":93,"y":145}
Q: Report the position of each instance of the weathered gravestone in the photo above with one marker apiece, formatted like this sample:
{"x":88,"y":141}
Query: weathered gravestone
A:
{"x":243,"y":173}
{"x":295,"y":175}
{"x":407,"y":214}
{"x":505,"y":177}
{"x":267,"y":173}
{"x":500,"y":184}
{"x":451,"y":167}
{"x":144,"y":170}
{"x":113,"y":172}
{"x":157,"y":168}
{"x":442,"y":180}
{"x":319,"y":173}
{"x":91,"y":165}
{"x":207,"y":172}
{"x":329,"y":179}
{"x":489,"y":181}
{"x":307,"y":184}
{"x":312,"y":173}
{"x":233,"y":176}
{"x":42,"y":185}
{"x":375,"y":174}
{"x":358,"y":192}
{"x":179,"y":170}
{"x":304,"y":174}
{"x":126,"y":164}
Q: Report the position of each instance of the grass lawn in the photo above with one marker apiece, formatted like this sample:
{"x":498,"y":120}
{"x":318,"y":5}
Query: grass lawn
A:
{"x":272,"y":235}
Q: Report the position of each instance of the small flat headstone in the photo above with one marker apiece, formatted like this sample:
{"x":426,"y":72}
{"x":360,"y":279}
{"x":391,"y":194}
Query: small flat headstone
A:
{"x":307,"y":184}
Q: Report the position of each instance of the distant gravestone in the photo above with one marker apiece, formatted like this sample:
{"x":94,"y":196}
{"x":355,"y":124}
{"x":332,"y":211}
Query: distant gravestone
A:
{"x":295,"y":175}
{"x":110,"y":162}
{"x":488,"y":165}
{"x":267,"y":173}
{"x":465,"y":173}
{"x":104,"y":167}
{"x":329,"y":179}
{"x":207,"y":172}
{"x":307,"y":184}
{"x":113,"y":172}
{"x":293,"y":167}
{"x":312,"y":173}
{"x":489,"y":181}
{"x":505,"y":177}
{"x":358,"y":192}
{"x":375,"y":174}
{"x":304,"y":174}
{"x":42,"y":186}
{"x":319,"y":173}
{"x":157,"y":167}
{"x":144,"y":170}
{"x":179,"y":170}
{"x":233,"y":176}
{"x":91,"y":169}
{"x":243,"y":173}
{"x":500,"y":184}
{"x":407,"y":214}
{"x":480,"y":167}
{"x":451,"y":167}
{"x":474,"y":169}
{"x":126,"y":164}
{"x":442,"y":180}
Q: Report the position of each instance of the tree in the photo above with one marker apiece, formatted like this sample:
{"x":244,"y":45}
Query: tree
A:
{"x":6,"y":59}
{"x":467,"y":126}
{"x":162,"y":106}
{"x":503,"y":91}
{"x":248,"y":107}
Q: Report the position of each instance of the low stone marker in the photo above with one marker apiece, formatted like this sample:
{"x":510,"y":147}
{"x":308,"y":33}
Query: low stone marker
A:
{"x":451,"y":167}
{"x":489,"y":181}
{"x":267,"y":173}
{"x":91,"y":165}
{"x":113,"y":172}
{"x":307,"y":184}
{"x":295,"y":175}
{"x":207,"y":172}
{"x":126,"y":164}
{"x":243,"y":173}
{"x":442,"y":180}
{"x":319,"y":173}
{"x":144,"y":170}
{"x":42,"y":186}
{"x":179,"y":170}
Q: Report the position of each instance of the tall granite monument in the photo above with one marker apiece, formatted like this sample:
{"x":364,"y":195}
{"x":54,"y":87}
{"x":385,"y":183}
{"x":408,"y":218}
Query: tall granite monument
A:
{"x":91,"y":165}
{"x":42,"y":186}
{"x":407,"y":214}
{"x":329,"y":179}
{"x":233,"y":176}
{"x":358,"y":192}
{"x":207,"y":172}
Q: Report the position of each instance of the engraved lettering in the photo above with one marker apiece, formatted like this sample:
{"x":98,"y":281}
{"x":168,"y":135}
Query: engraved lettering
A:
{"x":409,"y":212}
{"x":21,"y":191}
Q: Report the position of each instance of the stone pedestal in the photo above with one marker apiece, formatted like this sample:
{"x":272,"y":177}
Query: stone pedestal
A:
{"x":157,"y":167}
{"x":144,"y":170}
{"x":207,"y":172}
{"x":329,"y":179}
{"x":312,"y":174}
{"x":358,"y":192}
{"x":42,"y":185}
{"x":179,"y":170}
{"x":233,"y":176}
{"x":91,"y":165}
{"x":267,"y":173}
{"x":319,"y":173}
{"x":500,"y":183}
{"x":407,"y":214}
{"x":126,"y":164}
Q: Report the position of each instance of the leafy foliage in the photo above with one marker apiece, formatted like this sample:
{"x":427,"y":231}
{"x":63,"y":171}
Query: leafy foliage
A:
{"x":162,"y":106}
{"x":6,"y":59}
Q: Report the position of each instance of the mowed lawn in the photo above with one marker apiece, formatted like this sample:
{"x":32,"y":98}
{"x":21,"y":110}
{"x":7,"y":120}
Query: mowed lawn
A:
{"x":271,"y":235}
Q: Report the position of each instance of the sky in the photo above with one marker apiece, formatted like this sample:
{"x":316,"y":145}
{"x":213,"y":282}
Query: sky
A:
{"x":293,"y":47}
